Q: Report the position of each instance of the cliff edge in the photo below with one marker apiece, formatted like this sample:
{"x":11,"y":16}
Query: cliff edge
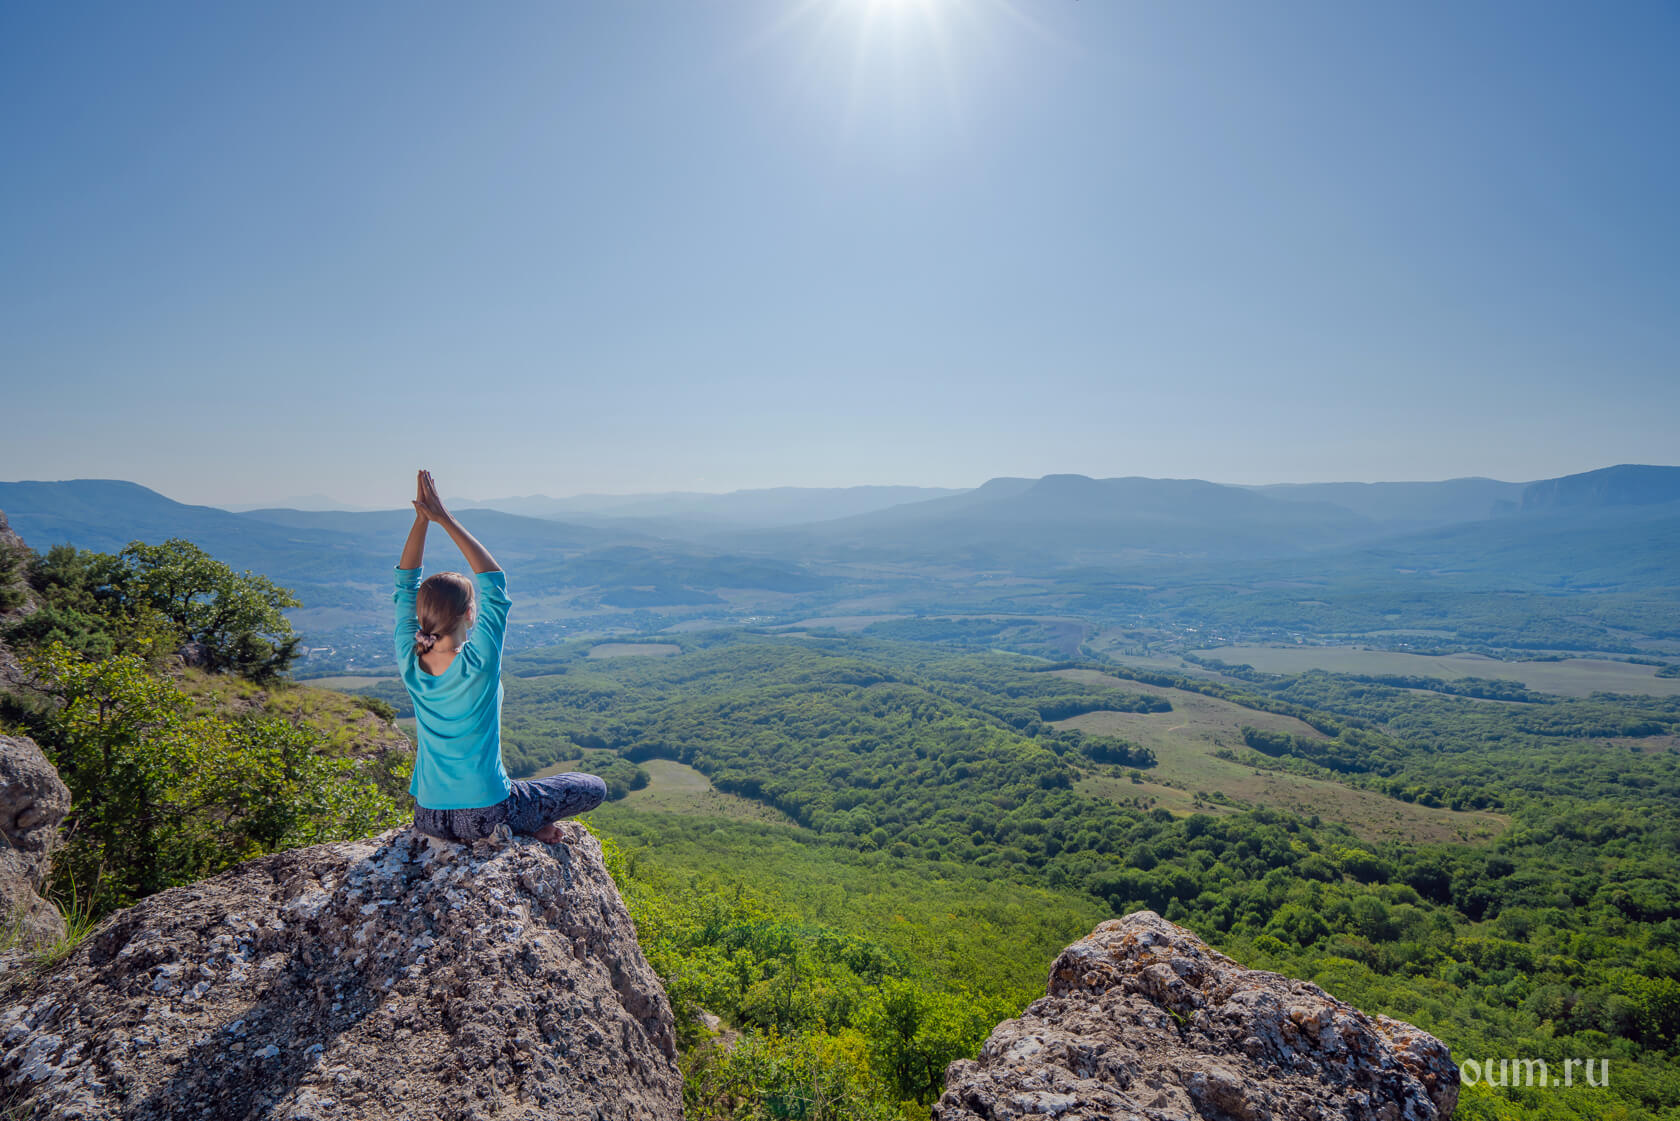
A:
{"x":1143,"y":1020}
{"x":397,"y":977}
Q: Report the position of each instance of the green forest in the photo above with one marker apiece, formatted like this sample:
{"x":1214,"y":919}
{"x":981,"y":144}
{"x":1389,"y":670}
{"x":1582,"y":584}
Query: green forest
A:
{"x":893,"y":834}
{"x":916,"y":762}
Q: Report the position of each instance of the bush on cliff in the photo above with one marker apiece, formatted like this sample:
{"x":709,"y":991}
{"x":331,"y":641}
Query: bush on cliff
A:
{"x":163,"y":795}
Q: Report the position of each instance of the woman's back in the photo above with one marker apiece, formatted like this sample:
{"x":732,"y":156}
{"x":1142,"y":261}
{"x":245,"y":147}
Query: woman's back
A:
{"x":457,"y":712}
{"x":461,"y":790}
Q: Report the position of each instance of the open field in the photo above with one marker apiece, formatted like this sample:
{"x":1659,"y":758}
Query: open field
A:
{"x":634,"y":650}
{"x":1145,"y":795}
{"x":846,"y":624}
{"x":680,"y":789}
{"x":1185,"y":739}
{"x":1572,"y":677}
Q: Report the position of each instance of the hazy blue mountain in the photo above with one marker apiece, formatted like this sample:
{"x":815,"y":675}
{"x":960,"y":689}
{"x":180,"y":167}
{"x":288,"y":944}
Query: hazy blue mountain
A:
{"x":1623,"y":548}
{"x":1608,"y":530}
{"x":1408,"y":506}
{"x":344,"y":559}
{"x":297,"y":502}
{"x":1628,"y":484}
{"x":514,"y":535}
{"x":106,"y":514}
{"x":773,"y":506}
{"x":1065,"y":519}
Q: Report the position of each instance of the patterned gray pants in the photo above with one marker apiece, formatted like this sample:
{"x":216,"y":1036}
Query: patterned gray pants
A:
{"x":531,"y":805}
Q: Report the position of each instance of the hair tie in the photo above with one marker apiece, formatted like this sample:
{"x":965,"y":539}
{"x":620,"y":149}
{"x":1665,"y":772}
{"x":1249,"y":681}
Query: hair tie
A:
{"x":426,"y":640}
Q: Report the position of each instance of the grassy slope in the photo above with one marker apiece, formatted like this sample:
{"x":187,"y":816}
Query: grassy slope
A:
{"x":1571,"y":677}
{"x":347,"y":724}
{"x":1185,"y":739}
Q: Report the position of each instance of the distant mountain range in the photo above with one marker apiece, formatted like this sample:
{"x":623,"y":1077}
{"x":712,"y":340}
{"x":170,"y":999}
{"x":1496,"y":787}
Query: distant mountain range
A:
{"x":1614,"y":527}
{"x":1074,"y":520}
{"x":1401,"y":506}
{"x":1079,"y":520}
{"x":772,"y":506}
{"x":1388,"y":507}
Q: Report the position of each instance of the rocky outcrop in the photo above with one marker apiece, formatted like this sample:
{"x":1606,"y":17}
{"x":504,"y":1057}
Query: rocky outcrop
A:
{"x":33,"y":801}
{"x":1143,"y":1021}
{"x":398,"y":977}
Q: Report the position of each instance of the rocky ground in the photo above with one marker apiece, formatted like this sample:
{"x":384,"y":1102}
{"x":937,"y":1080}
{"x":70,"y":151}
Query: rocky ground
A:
{"x":398,"y":977}
{"x":33,"y":801}
{"x":1145,"y":1022}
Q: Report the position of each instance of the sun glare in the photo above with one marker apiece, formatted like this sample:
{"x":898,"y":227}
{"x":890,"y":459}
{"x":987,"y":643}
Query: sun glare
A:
{"x":909,"y":69}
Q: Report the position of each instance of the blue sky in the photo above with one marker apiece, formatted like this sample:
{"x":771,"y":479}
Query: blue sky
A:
{"x":259,"y":251}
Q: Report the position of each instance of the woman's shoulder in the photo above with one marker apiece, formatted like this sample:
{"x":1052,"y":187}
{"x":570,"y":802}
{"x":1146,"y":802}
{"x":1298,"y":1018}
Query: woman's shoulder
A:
{"x":492,"y":586}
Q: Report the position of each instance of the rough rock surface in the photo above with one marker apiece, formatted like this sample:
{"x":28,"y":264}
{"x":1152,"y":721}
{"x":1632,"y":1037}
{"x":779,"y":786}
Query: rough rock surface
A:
{"x":397,"y":977}
{"x":1143,"y":1021}
{"x":33,"y":801}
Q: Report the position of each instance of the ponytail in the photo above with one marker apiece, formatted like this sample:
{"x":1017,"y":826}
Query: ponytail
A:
{"x":444,"y":606}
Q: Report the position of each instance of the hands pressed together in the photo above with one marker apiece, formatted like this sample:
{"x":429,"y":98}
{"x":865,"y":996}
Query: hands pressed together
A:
{"x":429,"y":508}
{"x":426,"y":501}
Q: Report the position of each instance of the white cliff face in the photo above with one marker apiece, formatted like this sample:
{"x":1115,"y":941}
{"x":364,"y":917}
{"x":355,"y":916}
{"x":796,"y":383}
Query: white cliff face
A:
{"x":1143,"y":1020}
{"x":398,"y":977}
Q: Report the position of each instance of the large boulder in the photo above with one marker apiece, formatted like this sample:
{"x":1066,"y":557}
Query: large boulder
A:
{"x":1144,"y":1021}
{"x":33,"y":801}
{"x":399,"y":977}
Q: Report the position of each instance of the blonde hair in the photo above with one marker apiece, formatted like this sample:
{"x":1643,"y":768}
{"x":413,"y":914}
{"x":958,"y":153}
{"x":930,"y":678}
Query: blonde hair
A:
{"x":443,"y":606}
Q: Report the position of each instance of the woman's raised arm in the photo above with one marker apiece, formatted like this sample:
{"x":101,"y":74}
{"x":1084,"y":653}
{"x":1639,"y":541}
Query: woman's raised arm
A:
{"x":414,"y":549}
{"x":430,"y":506}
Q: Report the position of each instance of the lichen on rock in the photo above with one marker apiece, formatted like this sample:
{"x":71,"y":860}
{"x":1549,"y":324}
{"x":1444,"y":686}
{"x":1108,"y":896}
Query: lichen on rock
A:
{"x":1144,"y":1021}
{"x":398,"y":977}
{"x":33,"y":801}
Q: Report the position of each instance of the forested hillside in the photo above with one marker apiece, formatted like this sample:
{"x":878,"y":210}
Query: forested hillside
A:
{"x":1558,"y":937}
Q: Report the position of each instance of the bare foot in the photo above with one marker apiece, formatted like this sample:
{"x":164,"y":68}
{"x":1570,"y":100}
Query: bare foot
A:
{"x":549,"y":834}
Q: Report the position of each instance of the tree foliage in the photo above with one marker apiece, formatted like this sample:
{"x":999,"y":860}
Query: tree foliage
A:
{"x":162,"y":796}
{"x":154,"y":599}
{"x":235,"y":618}
{"x":1527,"y":945}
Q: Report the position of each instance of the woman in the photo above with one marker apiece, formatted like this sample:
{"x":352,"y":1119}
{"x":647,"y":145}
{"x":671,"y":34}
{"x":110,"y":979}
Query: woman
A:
{"x":449,"y":652}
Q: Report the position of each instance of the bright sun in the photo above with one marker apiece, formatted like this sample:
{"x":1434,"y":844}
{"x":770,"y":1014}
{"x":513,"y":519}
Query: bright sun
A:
{"x":904,"y":72}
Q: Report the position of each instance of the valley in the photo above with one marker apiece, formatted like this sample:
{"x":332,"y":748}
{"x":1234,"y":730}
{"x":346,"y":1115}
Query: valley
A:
{"x":908,"y":753}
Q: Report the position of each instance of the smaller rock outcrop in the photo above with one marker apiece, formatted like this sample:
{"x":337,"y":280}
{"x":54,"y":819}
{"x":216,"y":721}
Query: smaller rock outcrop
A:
{"x":33,"y":801}
{"x":397,"y":978}
{"x":1144,"y":1021}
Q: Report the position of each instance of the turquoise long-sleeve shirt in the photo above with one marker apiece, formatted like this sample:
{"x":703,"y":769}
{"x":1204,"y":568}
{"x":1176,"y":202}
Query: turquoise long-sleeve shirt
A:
{"x":458,"y":713}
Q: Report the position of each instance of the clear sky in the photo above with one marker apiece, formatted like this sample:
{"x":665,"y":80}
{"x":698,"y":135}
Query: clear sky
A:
{"x":249,"y":251}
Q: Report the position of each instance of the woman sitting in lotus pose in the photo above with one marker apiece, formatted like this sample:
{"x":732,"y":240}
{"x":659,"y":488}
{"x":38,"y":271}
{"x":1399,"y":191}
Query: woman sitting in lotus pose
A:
{"x":449,"y":652}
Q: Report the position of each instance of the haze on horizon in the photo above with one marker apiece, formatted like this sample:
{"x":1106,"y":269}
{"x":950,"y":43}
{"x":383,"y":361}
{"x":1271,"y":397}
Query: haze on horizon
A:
{"x":560,"y":249}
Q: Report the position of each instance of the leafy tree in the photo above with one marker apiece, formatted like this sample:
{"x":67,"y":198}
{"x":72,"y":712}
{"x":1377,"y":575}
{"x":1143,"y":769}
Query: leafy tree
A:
{"x":161,"y":796}
{"x":235,"y":618}
{"x":84,"y":605}
{"x":152,"y":599}
{"x":915,"y":1033}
